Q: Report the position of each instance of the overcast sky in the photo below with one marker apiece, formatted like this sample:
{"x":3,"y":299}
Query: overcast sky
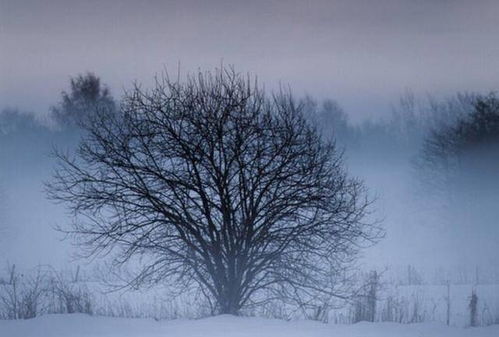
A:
{"x":363,"y":53}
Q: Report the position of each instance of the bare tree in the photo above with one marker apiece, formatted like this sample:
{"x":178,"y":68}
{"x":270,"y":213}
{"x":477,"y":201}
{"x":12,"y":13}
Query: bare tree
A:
{"x":87,"y":95}
{"x":462,"y":155}
{"x":329,"y":119}
{"x":219,"y":186}
{"x":12,"y":120}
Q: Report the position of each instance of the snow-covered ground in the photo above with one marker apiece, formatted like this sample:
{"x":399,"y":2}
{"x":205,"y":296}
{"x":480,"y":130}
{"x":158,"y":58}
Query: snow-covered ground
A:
{"x":79,"y":325}
{"x":395,"y":302}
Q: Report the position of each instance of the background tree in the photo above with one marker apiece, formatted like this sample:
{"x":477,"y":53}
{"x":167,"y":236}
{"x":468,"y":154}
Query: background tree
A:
{"x":217,"y":186}
{"x":329,"y":118}
{"x":86,"y":96}
{"x":14,"y":121}
{"x":21,"y":134}
{"x":462,"y":156}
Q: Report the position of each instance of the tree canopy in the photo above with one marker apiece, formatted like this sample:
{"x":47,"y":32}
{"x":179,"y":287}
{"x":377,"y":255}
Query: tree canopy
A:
{"x":86,"y":96}
{"x":463,"y":156}
{"x":221,"y":187}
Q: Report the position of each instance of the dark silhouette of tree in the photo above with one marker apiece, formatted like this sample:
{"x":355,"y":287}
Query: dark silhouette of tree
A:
{"x":217,"y":186}
{"x":463,"y":156}
{"x":329,"y":118}
{"x":14,"y":121}
{"x":87,"y":96}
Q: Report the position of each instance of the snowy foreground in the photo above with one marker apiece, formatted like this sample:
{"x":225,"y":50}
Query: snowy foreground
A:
{"x":79,"y":325}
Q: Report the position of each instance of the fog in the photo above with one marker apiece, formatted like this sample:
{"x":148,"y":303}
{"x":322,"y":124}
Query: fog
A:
{"x":423,"y":229}
{"x":404,"y":89}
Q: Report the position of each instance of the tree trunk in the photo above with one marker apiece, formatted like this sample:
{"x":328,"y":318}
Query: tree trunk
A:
{"x":230,"y":299}
{"x":229,"y":305}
